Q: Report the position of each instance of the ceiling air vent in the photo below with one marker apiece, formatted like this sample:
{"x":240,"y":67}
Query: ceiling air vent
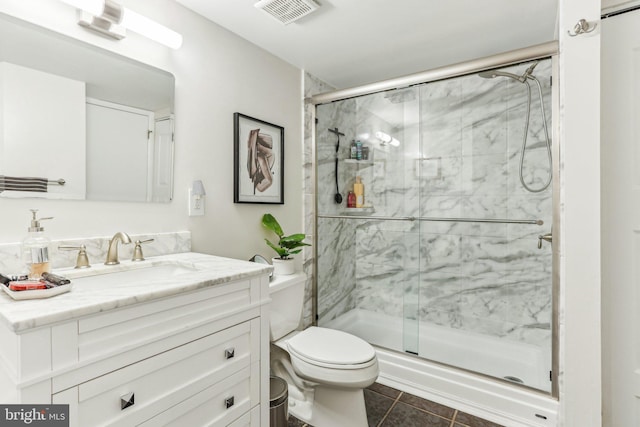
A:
{"x":287,"y":11}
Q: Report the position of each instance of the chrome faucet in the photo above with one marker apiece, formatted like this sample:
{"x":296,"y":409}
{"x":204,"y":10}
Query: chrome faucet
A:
{"x":112,"y":253}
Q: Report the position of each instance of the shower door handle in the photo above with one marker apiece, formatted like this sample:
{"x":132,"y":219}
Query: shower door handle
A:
{"x":546,"y":237}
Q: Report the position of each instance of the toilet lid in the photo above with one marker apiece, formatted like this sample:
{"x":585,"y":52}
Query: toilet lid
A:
{"x":331,"y":347}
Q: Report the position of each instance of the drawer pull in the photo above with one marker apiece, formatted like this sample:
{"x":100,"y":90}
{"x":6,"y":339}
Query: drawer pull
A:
{"x":229,"y":402}
{"x":127,"y":400}
{"x":229,"y":353}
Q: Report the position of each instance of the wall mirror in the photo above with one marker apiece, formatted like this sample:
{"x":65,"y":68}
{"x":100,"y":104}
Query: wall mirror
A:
{"x":71,"y":111}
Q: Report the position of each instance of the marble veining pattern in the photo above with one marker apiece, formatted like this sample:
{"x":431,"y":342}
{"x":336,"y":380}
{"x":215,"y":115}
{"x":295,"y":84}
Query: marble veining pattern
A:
{"x":87,"y":298}
{"x":461,"y":141}
{"x":312,"y":86}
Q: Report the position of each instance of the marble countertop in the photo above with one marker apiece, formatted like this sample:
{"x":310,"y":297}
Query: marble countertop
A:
{"x":94,"y":291}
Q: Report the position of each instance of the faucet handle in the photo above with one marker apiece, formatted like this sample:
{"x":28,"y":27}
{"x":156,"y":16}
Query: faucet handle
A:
{"x":82,"y":261}
{"x":546,"y":237}
{"x":137,"y":251}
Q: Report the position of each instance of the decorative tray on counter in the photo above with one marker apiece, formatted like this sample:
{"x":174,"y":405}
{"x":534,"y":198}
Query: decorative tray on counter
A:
{"x":37,"y":293}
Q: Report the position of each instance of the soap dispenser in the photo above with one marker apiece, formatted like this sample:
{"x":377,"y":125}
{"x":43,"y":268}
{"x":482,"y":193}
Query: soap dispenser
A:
{"x":35,"y":248}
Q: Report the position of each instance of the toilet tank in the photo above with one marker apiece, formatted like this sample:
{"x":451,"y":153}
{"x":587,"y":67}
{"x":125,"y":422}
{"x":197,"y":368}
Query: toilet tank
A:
{"x":287,"y":295}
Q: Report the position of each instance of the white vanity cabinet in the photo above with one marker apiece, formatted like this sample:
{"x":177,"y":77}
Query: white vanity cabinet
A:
{"x":195,"y":358}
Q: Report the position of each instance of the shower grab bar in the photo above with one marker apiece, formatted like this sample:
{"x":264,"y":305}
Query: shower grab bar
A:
{"x":425,"y":218}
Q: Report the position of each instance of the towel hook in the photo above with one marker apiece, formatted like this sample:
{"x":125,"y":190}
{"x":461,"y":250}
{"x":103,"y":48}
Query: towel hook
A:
{"x":582,"y":27}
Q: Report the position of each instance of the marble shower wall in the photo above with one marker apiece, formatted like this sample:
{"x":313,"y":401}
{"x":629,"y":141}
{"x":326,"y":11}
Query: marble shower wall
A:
{"x":459,"y":157}
{"x":487,"y":278}
{"x":336,"y":237}
{"x":312,"y":86}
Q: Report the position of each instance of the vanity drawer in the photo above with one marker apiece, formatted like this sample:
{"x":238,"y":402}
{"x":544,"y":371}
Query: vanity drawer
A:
{"x":164,"y":380}
{"x":223,"y":404}
{"x":136,"y":325}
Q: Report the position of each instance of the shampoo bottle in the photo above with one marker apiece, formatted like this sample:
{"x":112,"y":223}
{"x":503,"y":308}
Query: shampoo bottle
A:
{"x":358,"y":189}
{"x":351,"y":200}
{"x":358,"y":150}
{"x":35,"y":248}
{"x":354,"y":151}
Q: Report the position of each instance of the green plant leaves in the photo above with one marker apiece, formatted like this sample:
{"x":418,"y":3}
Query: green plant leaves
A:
{"x":284,"y":253}
{"x":293,"y":241}
{"x":286,"y":244}
{"x":270,"y":223}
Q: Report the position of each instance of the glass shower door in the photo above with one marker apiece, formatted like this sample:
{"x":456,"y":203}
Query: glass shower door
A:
{"x":486,"y":289}
{"x":441,"y":260}
{"x":368,"y":256}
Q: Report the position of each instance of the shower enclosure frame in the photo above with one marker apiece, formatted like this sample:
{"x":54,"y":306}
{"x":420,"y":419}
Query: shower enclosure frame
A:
{"x":545,"y":50}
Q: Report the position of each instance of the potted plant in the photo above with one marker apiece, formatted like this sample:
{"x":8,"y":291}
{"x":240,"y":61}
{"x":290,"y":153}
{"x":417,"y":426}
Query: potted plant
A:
{"x":287,"y":245}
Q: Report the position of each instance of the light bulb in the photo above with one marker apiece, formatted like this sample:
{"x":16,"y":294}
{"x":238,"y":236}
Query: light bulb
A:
{"x":144,"y":26}
{"x":387,"y":139}
{"x":383,"y":137}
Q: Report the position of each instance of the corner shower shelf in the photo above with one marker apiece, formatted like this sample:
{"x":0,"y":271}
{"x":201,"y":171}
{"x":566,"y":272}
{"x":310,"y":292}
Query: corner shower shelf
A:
{"x":359,"y":211}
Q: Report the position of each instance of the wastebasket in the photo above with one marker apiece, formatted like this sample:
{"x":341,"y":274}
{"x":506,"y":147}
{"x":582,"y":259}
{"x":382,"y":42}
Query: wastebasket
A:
{"x":278,"y":402}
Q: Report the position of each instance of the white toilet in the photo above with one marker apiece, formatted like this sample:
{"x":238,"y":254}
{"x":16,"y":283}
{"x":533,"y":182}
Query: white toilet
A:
{"x":326,"y":370}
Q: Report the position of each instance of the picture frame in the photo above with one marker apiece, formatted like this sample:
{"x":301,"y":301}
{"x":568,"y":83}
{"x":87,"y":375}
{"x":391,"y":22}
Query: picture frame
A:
{"x":258,"y":161}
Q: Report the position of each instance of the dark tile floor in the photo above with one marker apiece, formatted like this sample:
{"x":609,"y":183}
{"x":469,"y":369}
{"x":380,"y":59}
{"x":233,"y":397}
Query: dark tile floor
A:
{"x":388,"y":407}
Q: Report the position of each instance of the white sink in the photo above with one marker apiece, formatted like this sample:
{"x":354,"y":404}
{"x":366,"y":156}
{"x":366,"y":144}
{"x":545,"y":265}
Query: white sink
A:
{"x":130,"y":273}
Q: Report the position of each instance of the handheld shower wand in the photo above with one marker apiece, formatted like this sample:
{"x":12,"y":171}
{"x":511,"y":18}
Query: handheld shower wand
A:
{"x":524,"y":78}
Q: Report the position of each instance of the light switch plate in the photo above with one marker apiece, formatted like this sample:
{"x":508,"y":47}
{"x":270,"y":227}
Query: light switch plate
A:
{"x":196,"y":205}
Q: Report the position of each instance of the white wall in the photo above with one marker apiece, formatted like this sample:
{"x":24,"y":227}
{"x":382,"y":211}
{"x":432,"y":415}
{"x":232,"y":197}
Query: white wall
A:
{"x":579,"y":237}
{"x":620,"y":193}
{"x":217,"y":74}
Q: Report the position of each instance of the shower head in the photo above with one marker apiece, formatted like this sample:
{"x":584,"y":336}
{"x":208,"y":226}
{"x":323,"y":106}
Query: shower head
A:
{"x":492,"y":74}
{"x":530,"y":69}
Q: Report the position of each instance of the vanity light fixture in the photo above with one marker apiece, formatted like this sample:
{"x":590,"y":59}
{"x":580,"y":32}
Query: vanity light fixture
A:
{"x":196,"y":198}
{"x":113,"y":19}
{"x":387,"y":139}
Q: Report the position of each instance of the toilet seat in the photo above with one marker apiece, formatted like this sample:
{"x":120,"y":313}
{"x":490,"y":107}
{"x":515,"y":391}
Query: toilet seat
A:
{"x":333,"y":357}
{"x":331,"y":348}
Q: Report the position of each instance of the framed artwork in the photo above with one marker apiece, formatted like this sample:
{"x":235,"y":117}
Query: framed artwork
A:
{"x":258,"y":161}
